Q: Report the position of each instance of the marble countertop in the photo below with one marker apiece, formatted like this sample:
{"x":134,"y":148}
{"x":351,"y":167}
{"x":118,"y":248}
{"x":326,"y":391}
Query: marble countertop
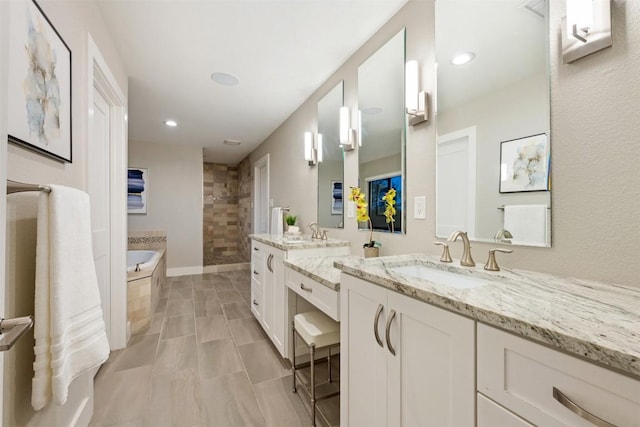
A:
{"x":320,"y":269}
{"x":304,"y":241}
{"x":597,"y":321}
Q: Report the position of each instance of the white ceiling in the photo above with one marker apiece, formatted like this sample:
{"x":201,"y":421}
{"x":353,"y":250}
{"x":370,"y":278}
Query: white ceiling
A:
{"x":281,"y":51}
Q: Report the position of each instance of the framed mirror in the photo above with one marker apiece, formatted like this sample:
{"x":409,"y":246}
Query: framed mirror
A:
{"x":331,"y":168}
{"x":382,"y":130}
{"x":493,"y":120}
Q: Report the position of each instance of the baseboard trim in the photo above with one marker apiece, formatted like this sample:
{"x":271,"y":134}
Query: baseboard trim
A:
{"x":227,"y":267}
{"x":184,"y":271}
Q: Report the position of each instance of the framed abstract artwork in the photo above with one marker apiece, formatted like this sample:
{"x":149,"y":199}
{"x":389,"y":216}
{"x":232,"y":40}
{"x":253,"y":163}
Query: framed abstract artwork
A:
{"x":39,"y":95}
{"x":336,"y":198}
{"x":137,"y":190}
{"x":524,"y":164}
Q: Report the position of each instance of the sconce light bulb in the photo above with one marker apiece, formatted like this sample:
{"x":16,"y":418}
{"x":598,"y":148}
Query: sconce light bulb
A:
{"x":308,"y":146}
{"x":344,"y":125}
{"x":319,"y":148}
{"x":411,"y":86}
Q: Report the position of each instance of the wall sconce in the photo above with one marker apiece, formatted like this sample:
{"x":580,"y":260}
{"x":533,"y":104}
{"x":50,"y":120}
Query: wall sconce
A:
{"x":586,"y":29}
{"x":347,"y":134}
{"x":312,"y":152}
{"x":416,"y":101}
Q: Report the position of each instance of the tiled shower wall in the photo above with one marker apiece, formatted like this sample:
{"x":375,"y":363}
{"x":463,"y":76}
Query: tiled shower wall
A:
{"x":245,"y":185}
{"x":227,"y":213}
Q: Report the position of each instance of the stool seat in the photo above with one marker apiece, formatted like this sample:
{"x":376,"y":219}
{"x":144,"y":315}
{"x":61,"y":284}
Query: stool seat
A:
{"x":317,"y":329}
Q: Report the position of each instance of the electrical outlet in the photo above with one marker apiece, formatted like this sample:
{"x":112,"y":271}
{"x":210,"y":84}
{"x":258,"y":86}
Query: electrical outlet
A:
{"x":351,"y":209}
{"x":420,"y":207}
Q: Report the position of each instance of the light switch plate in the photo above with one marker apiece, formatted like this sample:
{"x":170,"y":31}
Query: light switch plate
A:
{"x":351,"y":209}
{"x":420,"y":207}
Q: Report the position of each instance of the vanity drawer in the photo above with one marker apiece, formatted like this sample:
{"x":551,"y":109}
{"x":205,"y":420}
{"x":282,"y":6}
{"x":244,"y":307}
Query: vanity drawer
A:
{"x":256,"y":300}
{"x":490,"y":414}
{"x":522,"y":375}
{"x":325,"y":299}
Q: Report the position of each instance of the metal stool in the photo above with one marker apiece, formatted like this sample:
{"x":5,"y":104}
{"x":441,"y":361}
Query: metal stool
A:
{"x":318,"y":331}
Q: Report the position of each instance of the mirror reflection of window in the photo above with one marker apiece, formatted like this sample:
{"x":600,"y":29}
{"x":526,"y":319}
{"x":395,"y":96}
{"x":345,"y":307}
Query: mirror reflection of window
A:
{"x":377,"y":188}
{"x":381,"y":104}
{"x":492,"y":87}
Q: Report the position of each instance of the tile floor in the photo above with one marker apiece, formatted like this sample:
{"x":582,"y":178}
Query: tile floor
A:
{"x":204,"y":361}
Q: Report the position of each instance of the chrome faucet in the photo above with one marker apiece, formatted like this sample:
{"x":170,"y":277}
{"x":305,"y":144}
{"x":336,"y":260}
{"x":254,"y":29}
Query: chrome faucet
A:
{"x":466,"y":260}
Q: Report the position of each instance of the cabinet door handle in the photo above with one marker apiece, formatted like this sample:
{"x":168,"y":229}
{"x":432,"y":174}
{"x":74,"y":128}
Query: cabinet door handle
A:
{"x":375,"y":325}
{"x":305,"y":289}
{"x":576,"y":409}
{"x":255,"y":302}
{"x":392,"y":314}
{"x":255,"y":272}
{"x":269,"y":259}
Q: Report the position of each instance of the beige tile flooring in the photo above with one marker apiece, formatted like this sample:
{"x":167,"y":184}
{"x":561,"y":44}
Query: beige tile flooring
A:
{"x":204,"y":361}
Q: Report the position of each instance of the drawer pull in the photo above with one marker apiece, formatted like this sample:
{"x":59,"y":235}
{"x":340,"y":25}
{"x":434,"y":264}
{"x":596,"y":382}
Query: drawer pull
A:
{"x":255,"y":302}
{"x":582,"y":413}
{"x":255,"y":272}
{"x":255,"y":249}
{"x":269,"y":259}
{"x":375,"y":325}
{"x":388,"y":330}
{"x":305,"y":289}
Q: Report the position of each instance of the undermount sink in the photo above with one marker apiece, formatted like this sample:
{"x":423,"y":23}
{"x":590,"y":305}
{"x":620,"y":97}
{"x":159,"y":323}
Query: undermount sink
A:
{"x":440,"y":277}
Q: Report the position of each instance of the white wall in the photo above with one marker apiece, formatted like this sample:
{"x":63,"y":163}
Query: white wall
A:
{"x":74,"y":21}
{"x":174,"y":201}
{"x":595,"y":154}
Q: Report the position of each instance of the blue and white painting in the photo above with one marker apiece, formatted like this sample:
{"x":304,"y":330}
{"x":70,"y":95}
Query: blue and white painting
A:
{"x":39,"y":98}
{"x":137,"y":190}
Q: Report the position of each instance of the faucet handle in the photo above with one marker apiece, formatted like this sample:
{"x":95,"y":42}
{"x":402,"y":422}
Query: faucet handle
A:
{"x":446,"y":256}
{"x":492,"y":264}
{"x":324,"y":235}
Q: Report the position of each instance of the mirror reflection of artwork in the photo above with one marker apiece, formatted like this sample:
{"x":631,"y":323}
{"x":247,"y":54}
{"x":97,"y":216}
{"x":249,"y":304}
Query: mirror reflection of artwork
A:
{"x":524,"y":164}
{"x":336,"y":197}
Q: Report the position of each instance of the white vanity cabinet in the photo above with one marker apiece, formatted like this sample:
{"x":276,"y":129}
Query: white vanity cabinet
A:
{"x":526,"y":378}
{"x":403,"y":362}
{"x":269,"y":294}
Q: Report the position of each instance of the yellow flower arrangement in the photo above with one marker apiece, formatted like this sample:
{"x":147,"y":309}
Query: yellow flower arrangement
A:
{"x":390,"y":206}
{"x":362,"y":215}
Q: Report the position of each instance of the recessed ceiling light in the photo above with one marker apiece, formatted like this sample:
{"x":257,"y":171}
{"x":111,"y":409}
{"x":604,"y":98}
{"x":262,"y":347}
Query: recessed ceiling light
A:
{"x":224,"y":79}
{"x":171,"y":123}
{"x":462,"y":58}
{"x":231,"y":142}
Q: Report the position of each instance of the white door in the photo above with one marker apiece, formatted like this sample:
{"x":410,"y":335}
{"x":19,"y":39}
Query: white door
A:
{"x":261,"y":196}
{"x":99,"y":190}
{"x":363,"y":361}
{"x":432,"y":374}
{"x":456,"y":182}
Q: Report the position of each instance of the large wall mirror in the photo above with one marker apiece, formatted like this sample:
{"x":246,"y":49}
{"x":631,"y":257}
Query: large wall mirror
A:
{"x":493,"y":120}
{"x":382,"y":132}
{"x":331,"y":169}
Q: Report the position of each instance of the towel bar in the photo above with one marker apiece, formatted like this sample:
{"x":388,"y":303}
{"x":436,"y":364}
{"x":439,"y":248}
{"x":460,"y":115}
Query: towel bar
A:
{"x":11,"y":330}
{"x":502,"y":207}
{"x":17,"y":187}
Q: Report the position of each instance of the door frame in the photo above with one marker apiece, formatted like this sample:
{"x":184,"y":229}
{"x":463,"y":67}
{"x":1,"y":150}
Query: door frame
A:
{"x":4,"y":71}
{"x":101,"y":78}
{"x":263,"y":162}
{"x":470,"y":134}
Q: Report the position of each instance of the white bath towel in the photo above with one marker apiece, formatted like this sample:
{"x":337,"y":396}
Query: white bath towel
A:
{"x":69,"y":328}
{"x":527,"y":224}
{"x":277,"y":221}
